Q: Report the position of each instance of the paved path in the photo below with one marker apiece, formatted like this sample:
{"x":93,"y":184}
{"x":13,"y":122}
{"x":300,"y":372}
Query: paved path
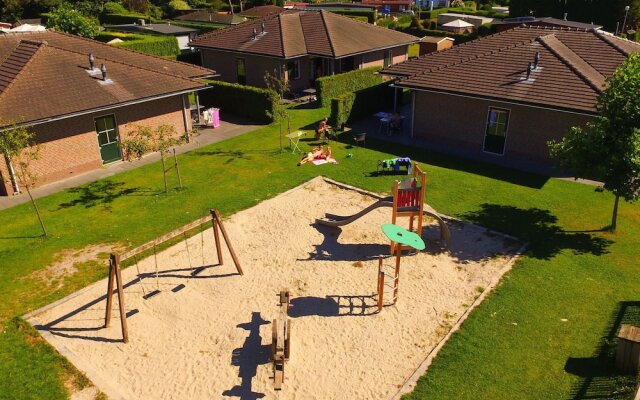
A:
{"x":228,"y":128}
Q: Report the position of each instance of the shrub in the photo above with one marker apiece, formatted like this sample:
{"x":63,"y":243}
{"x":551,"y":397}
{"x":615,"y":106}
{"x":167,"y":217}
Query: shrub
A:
{"x":111,"y":7}
{"x":163,"y":46}
{"x":66,"y":19}
{"x":120,"y":19}
{"x":457,"y":3}
{"x":250,"y":102}
{"x":329,"y":87}
{"x":415,"y":22}
{"x":471,"y":5}
{"x":354,"y":105}
{"x":177,"y":5}
{"x":433,"y":13}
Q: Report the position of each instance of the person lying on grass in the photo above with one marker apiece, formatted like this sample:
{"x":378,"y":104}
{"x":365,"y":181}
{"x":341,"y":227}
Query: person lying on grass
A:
{"x":318,"y":154}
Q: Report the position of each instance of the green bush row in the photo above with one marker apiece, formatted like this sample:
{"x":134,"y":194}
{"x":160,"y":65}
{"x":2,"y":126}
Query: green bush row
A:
{"x":163,"y":46}
{"x":120,"y":19}
{"x":421,"y":32}
{"x":355,"y":105}
{"x":371,"y":15}
{"x":358,"y":18}
{"x":329,"y":87}
{"x":202,"y":28}
{"x":249,"y":102}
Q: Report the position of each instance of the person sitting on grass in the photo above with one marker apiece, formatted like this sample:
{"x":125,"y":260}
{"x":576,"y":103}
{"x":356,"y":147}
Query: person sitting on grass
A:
{"x":323,"y":129}
{"x":315,"y":154}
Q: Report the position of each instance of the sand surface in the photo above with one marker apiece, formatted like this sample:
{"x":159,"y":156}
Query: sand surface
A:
{"x":209,"y":336}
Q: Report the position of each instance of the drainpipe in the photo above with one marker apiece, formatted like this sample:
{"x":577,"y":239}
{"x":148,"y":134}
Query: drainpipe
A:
{"x":198,"y":108}
{"x":184,"y":118}
{"x":12,"y":175}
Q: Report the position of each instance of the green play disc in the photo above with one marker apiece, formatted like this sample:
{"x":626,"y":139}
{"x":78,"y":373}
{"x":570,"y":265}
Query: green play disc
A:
{"x":403,"y":236}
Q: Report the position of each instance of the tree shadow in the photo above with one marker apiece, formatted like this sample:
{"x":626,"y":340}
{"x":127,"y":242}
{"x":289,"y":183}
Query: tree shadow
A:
{"x":333,"y":306}
{"x":247,"y":358}
{"x":598,"y":377}
{"x":232,"y":155}
{"x":102,"y":192}
{"x":539,"y":228}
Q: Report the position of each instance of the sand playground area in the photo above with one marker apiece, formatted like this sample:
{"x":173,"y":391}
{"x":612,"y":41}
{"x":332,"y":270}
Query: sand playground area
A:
{"x":208,"y":336}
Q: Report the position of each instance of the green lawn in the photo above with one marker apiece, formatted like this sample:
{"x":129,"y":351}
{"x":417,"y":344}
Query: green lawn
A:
{"x":516,"y":345}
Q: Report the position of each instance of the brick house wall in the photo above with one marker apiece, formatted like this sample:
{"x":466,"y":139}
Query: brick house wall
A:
{"x":457,"y":124}
{"x":70,"y":146}
{"x":224,"y":63}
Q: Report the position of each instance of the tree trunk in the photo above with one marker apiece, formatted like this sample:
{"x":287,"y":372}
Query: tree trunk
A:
{"x":614,"y":217}
{"x":164,"y":172}
{"x":231,"y":7}
{"x":35,"y":206}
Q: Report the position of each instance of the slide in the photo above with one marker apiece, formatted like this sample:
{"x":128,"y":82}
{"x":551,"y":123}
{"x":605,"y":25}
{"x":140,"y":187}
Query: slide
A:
{"x":340,"y":220}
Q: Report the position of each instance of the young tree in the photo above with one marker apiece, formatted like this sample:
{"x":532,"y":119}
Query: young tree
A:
{"x":67,"y":19}
{"x":278,"y":84}
{"x":144,"y":139}
{"x":608,"y":149}
{"x":19,"y":149}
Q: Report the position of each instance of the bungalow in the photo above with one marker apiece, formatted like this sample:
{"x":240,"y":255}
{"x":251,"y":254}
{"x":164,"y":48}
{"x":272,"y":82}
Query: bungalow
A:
{"x":510,"y":23}
{"x":80,"y":98}
{"x":501,"y":98}
{"x":303,"y":45}
{"x":261,"y":11}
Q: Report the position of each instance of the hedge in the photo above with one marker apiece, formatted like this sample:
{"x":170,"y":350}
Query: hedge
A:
{"x":202,"y":28}
{"x":465,"y":11}
{"x":249,"y":102}
{"x":355,"y":105}
{"x":329,"y":87}
{"x":163,"y":46}
{"x":121,"y":19}
{"x":371,"y":15}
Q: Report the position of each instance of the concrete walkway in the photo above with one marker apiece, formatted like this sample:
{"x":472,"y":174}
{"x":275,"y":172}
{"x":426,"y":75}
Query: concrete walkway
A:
{"x":229,"y":127}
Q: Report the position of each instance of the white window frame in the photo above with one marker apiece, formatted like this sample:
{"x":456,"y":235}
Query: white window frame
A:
{"x":506,"y":130}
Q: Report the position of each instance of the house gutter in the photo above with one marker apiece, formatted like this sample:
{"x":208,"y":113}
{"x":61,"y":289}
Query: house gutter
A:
{"x":585,"y":113}
{"x":109,"y":107}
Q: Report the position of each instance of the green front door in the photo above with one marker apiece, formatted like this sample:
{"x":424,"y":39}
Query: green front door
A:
{"x":107,"y":131}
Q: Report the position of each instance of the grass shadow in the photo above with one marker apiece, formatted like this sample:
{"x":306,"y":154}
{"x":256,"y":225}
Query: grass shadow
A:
{"x":539,"y":227}
{"x":598,"y":377}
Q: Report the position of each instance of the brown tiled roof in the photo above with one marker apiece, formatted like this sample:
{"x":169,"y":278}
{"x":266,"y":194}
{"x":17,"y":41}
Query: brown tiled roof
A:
{"x":295,"y":33}
{"x":262,"y":11}
{"x":571,"y":73}
{"x":40,"y":80}
{"x":8,"y":42}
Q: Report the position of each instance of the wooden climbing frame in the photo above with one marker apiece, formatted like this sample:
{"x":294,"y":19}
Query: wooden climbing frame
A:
{"x":115,"y":261}
{"x":281,"y":340}
{"x":409,"y":202}
{"x":395,"y":280}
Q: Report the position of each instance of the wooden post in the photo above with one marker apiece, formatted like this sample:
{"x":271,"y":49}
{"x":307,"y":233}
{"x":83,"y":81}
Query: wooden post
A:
{"x":380,"y":290}
{"x":116,"y":275}
{"x":218,"y":218}
{"x":216,"y":235}
{"x":112,"y":276}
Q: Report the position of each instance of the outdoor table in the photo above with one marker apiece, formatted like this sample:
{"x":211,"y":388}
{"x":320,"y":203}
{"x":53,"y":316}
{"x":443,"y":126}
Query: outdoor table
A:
{"x":294,"y":139}
{"x":310,"y":92}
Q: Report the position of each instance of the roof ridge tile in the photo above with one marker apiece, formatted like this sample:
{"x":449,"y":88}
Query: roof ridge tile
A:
{"x":16,"y":62}
{"x":609,"y":39}
{"x":324,"y":23}
{"x":576,"y":63}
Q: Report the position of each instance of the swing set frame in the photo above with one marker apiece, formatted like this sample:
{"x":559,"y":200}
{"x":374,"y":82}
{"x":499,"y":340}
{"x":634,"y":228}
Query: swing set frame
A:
{"x":116,"y":260}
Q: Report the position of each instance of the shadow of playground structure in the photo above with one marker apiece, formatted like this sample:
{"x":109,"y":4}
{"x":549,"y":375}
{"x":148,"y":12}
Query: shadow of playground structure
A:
{"x":598,"y":377}
{"x":247,"y":358}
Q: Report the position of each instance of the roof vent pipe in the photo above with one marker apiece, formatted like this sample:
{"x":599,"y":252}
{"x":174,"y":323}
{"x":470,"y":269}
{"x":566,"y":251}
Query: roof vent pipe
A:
{"x":92,"y":60}
{"x":255,"y":33}
{"x":103,"y":69}
{"x":565,"y":16}
{"x":529,"y":69}
{"x":536,"y":60}
{"x":263,"y":32}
